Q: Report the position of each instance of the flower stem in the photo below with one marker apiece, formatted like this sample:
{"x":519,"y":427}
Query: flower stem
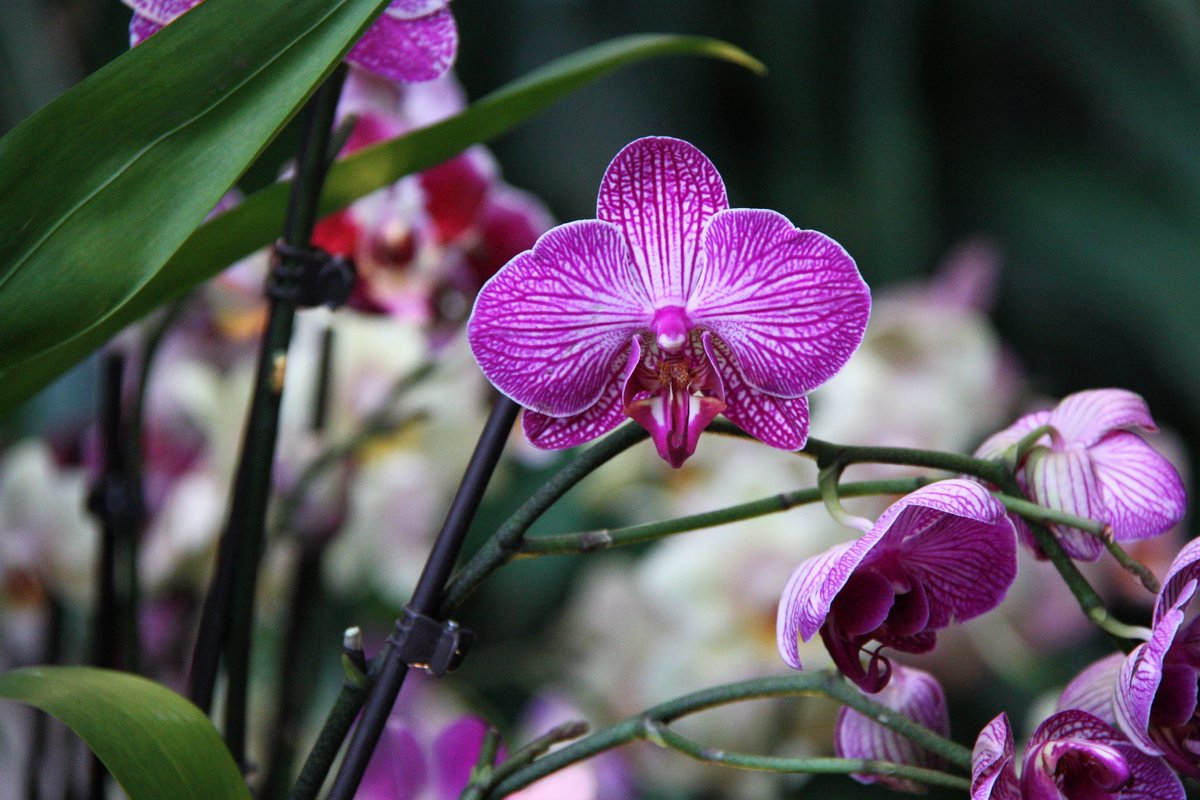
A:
{"x":1139,"y":570}
{"x":227,"y":619}
{"x":823,"y":683}
{"x":812,"y":765}
{"x":589,"y":541}
{"x":506,"y":542}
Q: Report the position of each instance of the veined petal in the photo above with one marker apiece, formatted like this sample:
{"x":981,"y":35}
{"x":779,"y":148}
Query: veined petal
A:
{"x":959,"y":544}
{"x":455,"y":752}
{"x":661,"y":191}
{"x":161,"y":11}
{"x":547,"y":327}
{"x":1084,"y":417}
{"x":993,"y":776}
{"x":1103,"y":760}
{"x":1064,"y":480}
{"x":996,"y":444}
{"x":1142,"y":673}
{"x":1184,"y":569}
{"x":807,"y":597}
{"x":789,"y":303}
{"x":408,"y":50}
{"x":778,"y":421}
{"x":1142,"y":492}
{"x":142,"y":28}
{"x":559,"y":433}
{"x":412,"y":9}
{"x":912,"y":693}
{"x":1092,"y":689}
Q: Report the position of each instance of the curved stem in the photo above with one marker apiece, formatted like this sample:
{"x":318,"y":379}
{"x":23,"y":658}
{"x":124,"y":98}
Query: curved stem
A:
{"x":812,"y":765}
{"x":589,"y":541}
{"x":1049,"y":516}
{"x":1139,"y":570}
{"x":825,"y":684}
{"x":506,"y":542}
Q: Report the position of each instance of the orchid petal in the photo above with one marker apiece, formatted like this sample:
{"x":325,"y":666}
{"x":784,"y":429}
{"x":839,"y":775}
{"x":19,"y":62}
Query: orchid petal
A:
{"x":807,"y":597}
{"x":993,"y":776}
{"x":911,"y":693}
{"x":142,"y":28}
{"x":547,"y":327}
{"x":455,"y":191}
{"x":1084,"y":418}
{"x":778,"y":421}
{"x":1143,"y":494}
{"x":789,"y":303}
{"x":161,"y":11}
{"x":558,"y":433}
{"x":1184,"y":569}
{"x":1092,"y":689}
{"x":1141,"y":675}
{"x":1065,"y":481}
{"x":397,"y":768}
{"x":996,"y":444}
{"x":661,"y":191}
{"x":1104,"y":762}
{"x":409,"y":51}
{"x":958,"y":543}
{"x":455,"y":752}
{"x":412,"y":9}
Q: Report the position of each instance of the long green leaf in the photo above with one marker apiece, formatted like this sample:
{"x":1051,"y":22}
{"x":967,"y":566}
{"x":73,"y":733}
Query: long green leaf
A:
{"x":103,"y":185}
{"x":154,"y":742}
{"x":256,"y":222}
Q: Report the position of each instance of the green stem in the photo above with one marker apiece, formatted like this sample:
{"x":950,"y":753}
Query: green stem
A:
{"x":506,"y":542}
{"x":589,"y":541}
{"x":813,"y":765}
{"x":1028,"y":442}
{"x":1139,"y":570}
{"x":1049,"y":516}
{"x":825,"y":684}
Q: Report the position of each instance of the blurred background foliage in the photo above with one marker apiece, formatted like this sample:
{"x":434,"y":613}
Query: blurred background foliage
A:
{"x":1066,"y":133}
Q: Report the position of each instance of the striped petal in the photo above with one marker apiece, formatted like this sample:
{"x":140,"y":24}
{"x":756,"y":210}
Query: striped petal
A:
{"x":993,"y":774}
{"x":408,"y":50}
{"x":913,"y":694}
{"x":996,"y":444}
{"x":1084,"y":418}
{"x":807,"y":597}
{"x":558,"y":433}
{"x":547,"y":328}
{"x":1092,"y":689}
{"x":789,"y":303}
{"x":1064,"y":481}
{"x":1142,"y":492}
{"x":142,"y":28}
{"x":661,"y":191}
{"x":1184,"y":569}
{"x":161,"y":11}
{"x":778,"y":421}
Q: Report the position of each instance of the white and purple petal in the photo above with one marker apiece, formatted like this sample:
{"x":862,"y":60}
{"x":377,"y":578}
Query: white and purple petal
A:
{"x":559,"y":433}
{"x":807,"y":597}
{"x":993,"y":771}
{"x":547,"y":328}
{"x":911,"y":693}
{"x":1085,"y":417}
{"x":1092,"y":689}
{"x":1064,"y":481}
{"x":661,"y":192}
{"x":996,"y":445}
{"x":1141,"y":491}
{"x":161,"y":11}
{"x":408,"y":50}
{"x":1184,"y":569}
{"x":778,"y":421}
{"x":789,"y":303}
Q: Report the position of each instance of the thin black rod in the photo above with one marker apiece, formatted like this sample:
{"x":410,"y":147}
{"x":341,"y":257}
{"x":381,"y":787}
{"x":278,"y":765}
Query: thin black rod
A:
{"x":427,"y":596}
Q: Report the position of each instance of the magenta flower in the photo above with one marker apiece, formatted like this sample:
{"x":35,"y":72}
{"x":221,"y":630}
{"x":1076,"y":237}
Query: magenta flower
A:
{"x":402,"y":769}
{"x":913,"y":694}
{"x":1156,"y":690}
{"x":1093,"y":465}
{"x":670,"y":308}
{"x":412,"y":41}
{"x":1071,"y":756}
{"x":944,"y":553}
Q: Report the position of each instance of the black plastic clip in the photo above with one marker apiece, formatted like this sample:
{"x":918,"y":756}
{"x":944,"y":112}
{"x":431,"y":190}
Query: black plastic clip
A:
{"x":309,"y":276}
{"x":425,"y":643}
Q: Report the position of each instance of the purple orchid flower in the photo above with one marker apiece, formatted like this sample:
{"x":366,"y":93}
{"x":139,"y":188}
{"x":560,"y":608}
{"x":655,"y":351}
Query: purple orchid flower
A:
{"x":912,"y":693}
{"x":1071,"y":756}
{"x":402,"y":769}
{"x":412,"y":41}
{"x":670,"y":308}
{"x":1093,"y":465}
{"x":945,"y":552}
{"x":1155,"y":702}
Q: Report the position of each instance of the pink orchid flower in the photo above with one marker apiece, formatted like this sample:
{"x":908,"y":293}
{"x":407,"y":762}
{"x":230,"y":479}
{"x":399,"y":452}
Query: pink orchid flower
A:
{"x":412,"y":41}
{"x":947,"y":552}
{"x":1093,"y":465}
{"x":1071,"y":756}
{"x":670,"y":308}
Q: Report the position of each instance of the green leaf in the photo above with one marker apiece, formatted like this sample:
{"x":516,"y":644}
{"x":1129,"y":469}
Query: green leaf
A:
{"x":153,"y":741}
{"x":257,"y":222}
{"x":102,"y":186}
